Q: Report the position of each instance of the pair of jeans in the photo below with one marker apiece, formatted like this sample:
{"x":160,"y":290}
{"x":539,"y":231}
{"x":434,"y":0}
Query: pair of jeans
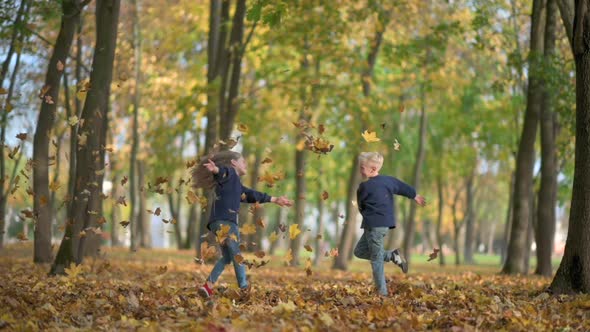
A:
{"x":229,"y":249}
{"x":370,"y":247}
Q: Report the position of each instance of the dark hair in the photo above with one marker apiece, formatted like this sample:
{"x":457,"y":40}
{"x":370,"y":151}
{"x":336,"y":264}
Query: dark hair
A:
{"x":202,"y":178}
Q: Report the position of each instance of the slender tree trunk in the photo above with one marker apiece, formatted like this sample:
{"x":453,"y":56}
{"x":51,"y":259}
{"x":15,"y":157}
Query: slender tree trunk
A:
{"x":545,"y":231}
{"x":346,"y":239}
{"x":469,"y":223}
{"x":526,"y":149}
{"x":175,"y":211}
{"x":192,"y":221}
{"x":43,"y":211}
{"x":508,"y":222}
{"x":281,"y":215}
{"x":456,"y":228}
{"x":441,"y":204}
{"x":6,"y":189}
{"x":16,"y":26}
{"x":115,"y":211}
{"x":573,"y":274}
{"x":78,"y":114}
{"x":258,"y":213}
{"x":530,"y":234}
{"x":420,"y":153}
{"x":89,"y":157}
{"x":142,"y":218}
{"x":319,"y":239}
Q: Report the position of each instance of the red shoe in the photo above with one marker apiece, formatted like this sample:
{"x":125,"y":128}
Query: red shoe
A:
{"x":205,"y":292}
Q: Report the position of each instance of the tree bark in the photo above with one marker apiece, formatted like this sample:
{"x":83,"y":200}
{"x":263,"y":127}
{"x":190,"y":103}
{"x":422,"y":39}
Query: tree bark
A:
{"x":142,"y":218}
{"x":420,"y":154}
{"x":49,"y":94}
{"x":545,"y":230}
{"x":469,"y":223}
{"x":526,"y":150}
{"x":347,"y":236}
{"x":441,"y":204}
{"x":573,"y":274}
{"x":508,"y":222}
{"x":90,"y":157}
{"x":319,"y":239}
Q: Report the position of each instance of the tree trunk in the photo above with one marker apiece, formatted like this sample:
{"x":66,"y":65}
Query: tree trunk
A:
{"x":89,"y":158}
{"x":469,"y":223}
{"x":49,"y":95}
{"x":456,"y":227}
{"x":346,"y":239}
{"x":545,"y":230}
{"x":573,"y":274}
{"x":175,"y":211}
{"x":192,"y":221}
{"x":78,"y":110}
{"x":441,"y":204}
{"x":526,"y":150}
{"x":420,"y":153}
{"x":319,"y":239}
{"x":508,"y":222}
{"x":491,"y":234}
{"x":115,"y":211}
{"x":142,"y":217}
{"x":4,"y":120}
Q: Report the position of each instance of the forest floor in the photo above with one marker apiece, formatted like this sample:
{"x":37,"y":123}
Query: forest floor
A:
{"x":155,"y":290}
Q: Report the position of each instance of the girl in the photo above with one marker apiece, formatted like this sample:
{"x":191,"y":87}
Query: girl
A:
{"x":222,"y":172}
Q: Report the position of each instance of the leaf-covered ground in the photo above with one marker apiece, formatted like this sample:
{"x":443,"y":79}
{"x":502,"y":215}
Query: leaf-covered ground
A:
{"x":156,"y":290}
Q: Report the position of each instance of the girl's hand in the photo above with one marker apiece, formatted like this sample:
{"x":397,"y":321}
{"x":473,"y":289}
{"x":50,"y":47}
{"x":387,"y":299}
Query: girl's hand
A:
{"x":420,"y":200}
{"x":282,"y":201}
{"x":211,"y":167}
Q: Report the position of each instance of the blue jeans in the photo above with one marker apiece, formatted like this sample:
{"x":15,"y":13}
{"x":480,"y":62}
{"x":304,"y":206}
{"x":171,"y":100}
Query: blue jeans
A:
{"x":229,"y":249}
{"x":370,"y":247}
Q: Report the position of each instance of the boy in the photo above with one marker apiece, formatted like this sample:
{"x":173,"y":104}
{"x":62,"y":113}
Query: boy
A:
{"x":375,"y":203}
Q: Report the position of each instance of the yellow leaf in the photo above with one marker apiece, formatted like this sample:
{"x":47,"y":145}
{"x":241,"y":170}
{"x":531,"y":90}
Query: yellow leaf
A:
{"x":239,"y":258}
{"x":283,"y":307}
{"x":243,"y":128}
{"x":9,"y":107}
{"x":54,"y":186}
{"x":248,"y":229}
{"x":294,"y":231}
{"x":300,"y":145}
{"x":81,"y":95}
{"x":396,"y":145}
{"x":73,"y":120}
{"x":222,"y":233}
{"x":3,"y":91}
{"x":260,"y":223}
{"x":191,"y":197}
{"x":82,"y":139}
{"x":288,"y":257}
{"x":73,"y":270}
{"x":370,"y":136}
{"x":273,"y":237}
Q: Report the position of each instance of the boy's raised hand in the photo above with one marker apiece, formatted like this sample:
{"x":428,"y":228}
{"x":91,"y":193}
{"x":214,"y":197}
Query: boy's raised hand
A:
{"x":210,"y":165}
{"x":282,"y":201}
{"x":420,"y":200}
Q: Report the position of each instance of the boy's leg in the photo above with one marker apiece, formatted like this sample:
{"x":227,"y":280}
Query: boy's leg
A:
{"x":375,"y":238}
{"x":362,"y":247}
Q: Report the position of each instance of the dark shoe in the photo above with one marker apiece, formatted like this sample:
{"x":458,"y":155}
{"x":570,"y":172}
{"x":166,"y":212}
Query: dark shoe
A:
{"x":245,"y":293}
{"x":403,"y":264}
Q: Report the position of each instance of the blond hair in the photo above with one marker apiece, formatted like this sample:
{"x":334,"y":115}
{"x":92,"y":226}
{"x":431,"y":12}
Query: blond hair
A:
{"x":375,"y":158}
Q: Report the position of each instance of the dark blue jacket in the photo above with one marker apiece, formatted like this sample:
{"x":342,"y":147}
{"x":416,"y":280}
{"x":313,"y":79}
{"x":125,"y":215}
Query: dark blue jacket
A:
{"x":375,"y":200}
{"x":229,"y":193}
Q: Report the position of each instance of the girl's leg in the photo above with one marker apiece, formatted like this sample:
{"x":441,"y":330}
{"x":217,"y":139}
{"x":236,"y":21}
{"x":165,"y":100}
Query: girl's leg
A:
{"x":220,"y":265}
{"x":233,"y":249}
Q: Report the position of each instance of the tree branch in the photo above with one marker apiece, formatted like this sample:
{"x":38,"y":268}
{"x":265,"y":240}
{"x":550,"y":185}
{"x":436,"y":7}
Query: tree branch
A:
{"x":567,"y":17}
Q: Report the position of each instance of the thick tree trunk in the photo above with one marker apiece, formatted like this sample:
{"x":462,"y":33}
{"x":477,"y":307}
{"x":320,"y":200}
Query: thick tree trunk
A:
{"x":49,"y":95}
{"x":573,"y":274}
{"x":346,"y":239}
{"x":89,"y":158}
{"x":545,"y":230}
{"x":420,"y":153}
{"x":319,"y":239}
{"x":78,"y":110}
{"x":526,"y":150}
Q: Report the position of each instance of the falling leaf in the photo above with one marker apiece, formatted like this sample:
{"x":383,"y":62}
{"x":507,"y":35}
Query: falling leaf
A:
{"x":266,"y":161}
{"x":191,"y":197}
{"x":433,"y":255}
{"x":308,"y":266}
{"x":82,"y":139}
{"x":239,"y":258}
{"x":60,"y":66}
{"x":54,"y":186}
{"x":396,"y":145}
{"x":124,"y":180}
{"x":300,"y":145}
{"x":294,"y":231}
{"x":191,"y":163}
{"x":73,"y":120}
{"x":325,"y":195}
{"x":260,"y":223}
{"x":282,"y":227}
{"x":44,"y":90}
{"x":334,"y":252}
{"x":22,"y":136}
{"x":81,"y":95}
{"x":248,"y":229}
{"x":157,"y":212}
{"x":370,"y":136}
{"x":49,"y":100}
{"x":101,"y":220}
{"x":9,"y":107}
{"x":321,"y":129}
{"x":82,"y":234}
{"x":273,"y":237}
{"x":243,"y":128}
{"x":124,"y":223}
{"x":12,"y":153}
{"x":3,"y":91}
{"x":401,"y":108}
{"x":222,"y":233}
{"x":162,"y":269}
{"x":308,"y":248}
{"x":260,"y":254}
{"x":288,"y":257}
{"x":243,"y":197}
{"x":22,"y":237}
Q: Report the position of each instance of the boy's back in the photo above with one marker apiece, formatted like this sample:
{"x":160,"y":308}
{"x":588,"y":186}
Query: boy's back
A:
{"x":375,"y":200}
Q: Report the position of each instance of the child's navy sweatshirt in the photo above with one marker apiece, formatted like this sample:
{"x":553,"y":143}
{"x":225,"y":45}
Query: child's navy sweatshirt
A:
{"x":375,"y":200}
{"x":229,"y":190}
